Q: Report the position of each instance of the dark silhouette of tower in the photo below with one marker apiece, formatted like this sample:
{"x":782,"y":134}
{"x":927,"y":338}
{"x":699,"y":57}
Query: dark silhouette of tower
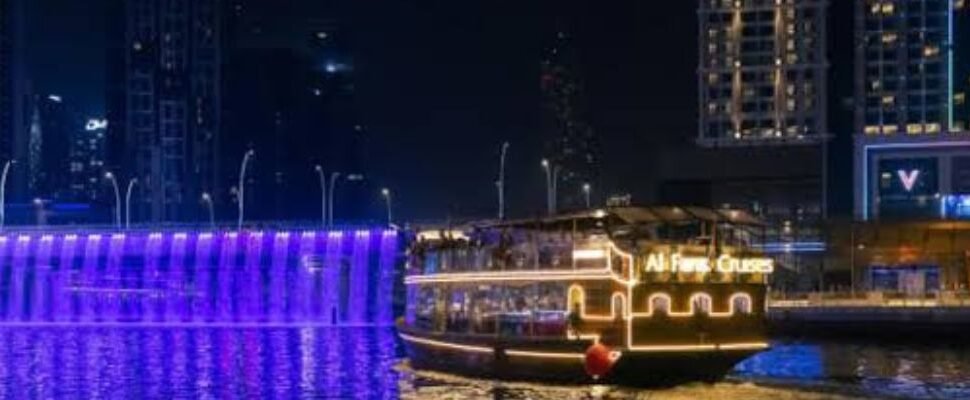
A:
{"x":570,"y":142}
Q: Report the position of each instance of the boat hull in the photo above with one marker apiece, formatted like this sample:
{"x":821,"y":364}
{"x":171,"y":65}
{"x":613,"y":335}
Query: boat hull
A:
{"x":563,"y":362}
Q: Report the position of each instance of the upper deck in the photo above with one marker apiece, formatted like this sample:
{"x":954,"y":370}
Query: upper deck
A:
{"x":625,"y":244}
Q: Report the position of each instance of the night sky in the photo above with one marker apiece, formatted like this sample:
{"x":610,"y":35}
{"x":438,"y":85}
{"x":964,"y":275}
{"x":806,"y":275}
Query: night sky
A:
{"x":442,"y":84}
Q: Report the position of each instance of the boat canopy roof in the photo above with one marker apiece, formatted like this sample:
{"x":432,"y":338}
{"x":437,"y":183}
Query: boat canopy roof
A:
{"x":634,"y":215}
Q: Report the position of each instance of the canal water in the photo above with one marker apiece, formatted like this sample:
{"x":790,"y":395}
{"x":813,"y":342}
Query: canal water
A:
{"x":346,"y":363}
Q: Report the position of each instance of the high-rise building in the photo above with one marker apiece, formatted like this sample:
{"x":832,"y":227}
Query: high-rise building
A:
{"x":164,"y":103}
{"x":14,"y":100}
{"x":762,"y":72}
{"x":570,"y":142}
{"x":290,"y":96}
{"x":87,"y":162}
{"x":912,"y":79}
{"x":53,"y":127}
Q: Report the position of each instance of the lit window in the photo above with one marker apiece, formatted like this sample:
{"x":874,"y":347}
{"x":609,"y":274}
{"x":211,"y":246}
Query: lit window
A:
{"x":932,"y":128}
{"x":701,"y":303}
{"x":890,"y":129}
{"x":914,"y":129}
{"x":888,"y":8}
{"x":871,"y":129}
{"x":931,"y":51}
{"x":660,"y":304}
{"x":888,"y":100}
{"x":889,"y":37}
{"x":741,"y":304}
{"x":959,"y":98}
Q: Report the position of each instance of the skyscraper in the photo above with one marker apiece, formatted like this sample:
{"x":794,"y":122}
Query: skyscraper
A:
{"x":762,"y":73}
{"x":912,"y":76}
{"x":54,"y":124}
{"x":164,"y":99}
{"x":87,"y":162}
{"x":570,"y":142}
{"x":291,"y":96}
{"x":14,"y":99}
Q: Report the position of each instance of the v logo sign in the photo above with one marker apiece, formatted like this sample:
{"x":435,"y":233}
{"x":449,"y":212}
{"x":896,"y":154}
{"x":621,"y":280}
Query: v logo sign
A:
{"x":908,"y":178}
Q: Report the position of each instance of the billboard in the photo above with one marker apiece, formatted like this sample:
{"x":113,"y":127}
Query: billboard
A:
{"x":909,"y":187}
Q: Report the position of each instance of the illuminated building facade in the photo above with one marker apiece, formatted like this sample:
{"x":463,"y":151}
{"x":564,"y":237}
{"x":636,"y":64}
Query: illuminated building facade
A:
{"x":570,"y":142}
{"x":87,"y":161}
{"x":912,"y":148}
{"x":762,"y":73}
{"x":164,"y":96}
{"x":14,"y":101}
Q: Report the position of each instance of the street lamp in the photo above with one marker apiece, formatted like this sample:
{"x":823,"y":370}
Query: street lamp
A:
{"x":552,"y":175}
{"x":207,"y":199}
{"x":323,"y":194}
{"x":242,"y":191}
{"x":586,"y":189}
{"x":3,"y":190}
{"x":114,"y":183}
{"x":131,"y":185}
{"x":39,"y":209}
{"x":501,"y":181}
{"x":386,"y":193}
{"x":331,"y":192}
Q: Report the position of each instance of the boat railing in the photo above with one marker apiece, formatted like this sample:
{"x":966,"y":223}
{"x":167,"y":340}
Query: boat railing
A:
{"x":517,"y":258}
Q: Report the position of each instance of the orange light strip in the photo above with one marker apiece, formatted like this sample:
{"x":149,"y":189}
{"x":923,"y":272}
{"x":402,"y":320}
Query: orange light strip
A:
{"x":529,"y":275}
{"x":537,"y":276}
{"x":446,"y":345}
{"x":543,"y":354}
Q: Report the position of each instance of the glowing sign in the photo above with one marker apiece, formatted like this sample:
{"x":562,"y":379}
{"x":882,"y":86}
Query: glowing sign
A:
{"x":676,"y":262}
{"x":908,"y":178}
{"x":96,"y":124}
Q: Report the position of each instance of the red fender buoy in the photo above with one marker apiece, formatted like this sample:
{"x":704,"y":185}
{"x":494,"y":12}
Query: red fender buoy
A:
{"x":599,"y":360}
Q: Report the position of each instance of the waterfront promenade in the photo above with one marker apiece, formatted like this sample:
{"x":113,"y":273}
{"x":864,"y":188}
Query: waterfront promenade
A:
{"x":945,"y":313}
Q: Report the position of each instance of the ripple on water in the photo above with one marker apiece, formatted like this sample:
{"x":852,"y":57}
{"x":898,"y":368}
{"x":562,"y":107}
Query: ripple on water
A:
{"x":351,"y":363}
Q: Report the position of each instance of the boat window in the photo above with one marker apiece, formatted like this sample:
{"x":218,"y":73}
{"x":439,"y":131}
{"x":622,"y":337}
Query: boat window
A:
{"x":741,"y":303}
{"x":576,"y":299}
{"x":701,"y":303}
{"x":619,"y":306}
{"x":660,"y":304}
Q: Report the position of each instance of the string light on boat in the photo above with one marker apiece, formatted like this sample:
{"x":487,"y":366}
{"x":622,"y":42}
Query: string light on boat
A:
{"x":447,"y":345}
{"x":589,"y":254}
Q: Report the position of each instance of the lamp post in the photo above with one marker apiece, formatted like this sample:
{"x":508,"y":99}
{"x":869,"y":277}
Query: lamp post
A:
{"x":501,"y":181}
{"x":586,"y":189}
{"x":323,"y":194}
{"x":552,"y":175}
{"x":114,"y":183}
{"x":39,"y":210}
{"x":545,"y":166}
{"x":3,"y":191}
{"x":242,"y":191}
{"x":331,"y":192}
{"x":386,"y":193}
{"x":207,"y":199}
{"x":131,"y":185}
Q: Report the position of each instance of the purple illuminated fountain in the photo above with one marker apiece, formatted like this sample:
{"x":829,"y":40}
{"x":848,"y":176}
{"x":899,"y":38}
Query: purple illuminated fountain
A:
{"x":178,"y":277}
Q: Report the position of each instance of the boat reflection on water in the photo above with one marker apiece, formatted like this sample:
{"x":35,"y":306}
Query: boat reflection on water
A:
{"x":367,"y":363}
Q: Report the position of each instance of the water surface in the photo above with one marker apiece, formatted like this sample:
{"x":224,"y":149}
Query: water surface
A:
{"x":344,"y":363}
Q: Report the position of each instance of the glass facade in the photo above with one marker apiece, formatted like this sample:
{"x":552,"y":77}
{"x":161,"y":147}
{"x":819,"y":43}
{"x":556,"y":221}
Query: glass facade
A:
{"x":909,"y":77}
{"x":762,"y":71}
